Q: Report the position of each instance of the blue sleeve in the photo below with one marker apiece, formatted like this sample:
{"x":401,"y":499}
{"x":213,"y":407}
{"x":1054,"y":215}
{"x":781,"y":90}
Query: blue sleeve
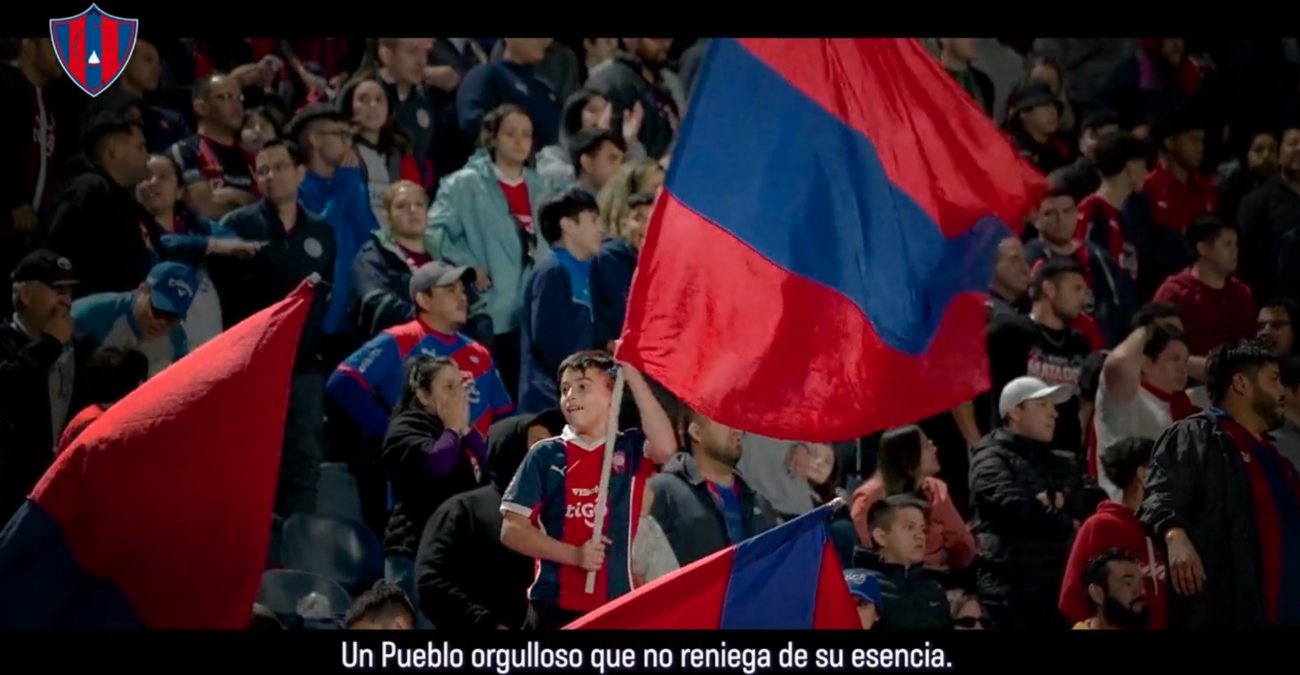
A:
{"x":549,"y":317}
{"x":190,"y":249}
{"x":362,"y":384}
{"x":528,"y":491}
{"x":632,"y":443}
{"x":360,"y":217}
{"x":475,"y":97}
{"x":94,"y":315}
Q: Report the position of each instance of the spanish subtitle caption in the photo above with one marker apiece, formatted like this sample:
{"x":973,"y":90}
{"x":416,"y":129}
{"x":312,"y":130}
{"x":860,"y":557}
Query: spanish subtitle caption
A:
{"x":538,"y":657}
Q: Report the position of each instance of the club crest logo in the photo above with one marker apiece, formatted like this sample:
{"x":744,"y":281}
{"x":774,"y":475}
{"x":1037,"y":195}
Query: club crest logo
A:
{"x":94,"y":47}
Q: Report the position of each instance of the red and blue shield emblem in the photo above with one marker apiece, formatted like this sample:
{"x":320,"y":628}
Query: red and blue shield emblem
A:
{"x":94,"y":47}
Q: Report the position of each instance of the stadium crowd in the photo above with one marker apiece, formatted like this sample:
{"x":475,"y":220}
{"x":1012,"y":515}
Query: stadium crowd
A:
{"x":475,"y":208}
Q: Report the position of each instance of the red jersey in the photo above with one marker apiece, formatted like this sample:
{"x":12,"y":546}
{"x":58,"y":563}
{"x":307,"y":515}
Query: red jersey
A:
{"x":1211,"y":316}
{"x":521,"y":207}
{"x":1103,"y":224}
{"x":1112,"y":526}
{"x":1175,"y":204}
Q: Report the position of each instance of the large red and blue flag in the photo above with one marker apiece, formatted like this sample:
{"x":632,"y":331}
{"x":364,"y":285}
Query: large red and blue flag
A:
{"x":786,"y":578}
{"x":159,"y":514}
{"x":94,"y":47}
{"x":816,"y":264}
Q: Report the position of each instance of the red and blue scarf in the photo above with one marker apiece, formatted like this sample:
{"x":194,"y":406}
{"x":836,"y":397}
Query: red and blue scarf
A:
{"x":1275,"y":492}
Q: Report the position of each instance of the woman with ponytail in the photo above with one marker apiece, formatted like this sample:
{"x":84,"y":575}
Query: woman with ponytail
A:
{"x":431,"y":452}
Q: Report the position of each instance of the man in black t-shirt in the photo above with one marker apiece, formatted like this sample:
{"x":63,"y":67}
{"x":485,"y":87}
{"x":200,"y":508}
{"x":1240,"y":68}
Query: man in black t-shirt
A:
{"x":1041,"y":345}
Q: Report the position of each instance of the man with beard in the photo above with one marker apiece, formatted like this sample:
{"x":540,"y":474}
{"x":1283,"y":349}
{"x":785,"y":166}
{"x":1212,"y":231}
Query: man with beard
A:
{"x":1116,"y":593}
{"x":217,"y":172}
{"x":1226,"y":503}
{"x":635,"y":77}
{"x":1266,"y":216}
{"x":699,"y":500}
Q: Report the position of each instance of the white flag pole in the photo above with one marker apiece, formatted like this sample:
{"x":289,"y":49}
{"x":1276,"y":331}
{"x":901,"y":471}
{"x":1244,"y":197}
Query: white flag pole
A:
{"x":611,"y":438}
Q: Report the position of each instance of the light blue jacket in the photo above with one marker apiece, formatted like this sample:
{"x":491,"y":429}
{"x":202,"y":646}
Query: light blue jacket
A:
{"x":477,"y":230}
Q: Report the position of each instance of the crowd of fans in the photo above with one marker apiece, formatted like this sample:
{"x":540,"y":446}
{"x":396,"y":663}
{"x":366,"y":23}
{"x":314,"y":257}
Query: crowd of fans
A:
{"x":475,"y":207}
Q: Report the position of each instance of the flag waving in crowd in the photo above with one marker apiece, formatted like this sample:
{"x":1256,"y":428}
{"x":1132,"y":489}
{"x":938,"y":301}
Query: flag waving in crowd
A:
{"x":825,"y":228}
{"x":159,"y":515}
{"x":734,"y":589}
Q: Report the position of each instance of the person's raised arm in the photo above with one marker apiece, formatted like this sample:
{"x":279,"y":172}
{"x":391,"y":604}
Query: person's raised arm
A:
{"x":1123,"y":368}
{"x":661,"y":440}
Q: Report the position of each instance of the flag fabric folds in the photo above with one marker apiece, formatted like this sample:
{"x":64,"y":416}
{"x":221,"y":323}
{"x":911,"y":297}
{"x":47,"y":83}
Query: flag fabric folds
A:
{"x":815,"y":265}
{"x":785,"y":578}
{"x":159,"y":515}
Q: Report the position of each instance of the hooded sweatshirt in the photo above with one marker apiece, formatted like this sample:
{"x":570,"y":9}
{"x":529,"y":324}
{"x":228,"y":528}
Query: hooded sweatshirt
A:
{"x":1112,"y":526}
{"x":467,"y":578}
{"x":426,"y":464}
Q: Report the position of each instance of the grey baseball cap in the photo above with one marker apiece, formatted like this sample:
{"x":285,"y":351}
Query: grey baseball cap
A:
{"x":438,"y":273}
{"x":1024,"y":389}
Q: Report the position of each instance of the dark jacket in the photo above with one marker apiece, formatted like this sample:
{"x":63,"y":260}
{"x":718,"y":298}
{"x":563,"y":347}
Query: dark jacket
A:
{"x":611,"y":279}
{"x":381,"y":278}
{"x":911,"y":598}
{"x":98,"y":225}
{"x":287,"y":258}
{"x":622,"y":84}
{"x":1265,"y":215}
{"x":555,"y":325}
{"x":27,"y":439}
{"x":1024,"y":546}
{"x":467,"y":578}
{"x":491,"y":85}
{"x":421,"y":481}
{"x":1198,"y":482}
{"x":690,"y":516}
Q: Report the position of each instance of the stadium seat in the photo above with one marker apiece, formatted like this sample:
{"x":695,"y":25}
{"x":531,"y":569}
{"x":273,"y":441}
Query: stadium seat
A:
{"x":337,"y":495}
{"x":282,"y":590}
{"x":344,"y":551}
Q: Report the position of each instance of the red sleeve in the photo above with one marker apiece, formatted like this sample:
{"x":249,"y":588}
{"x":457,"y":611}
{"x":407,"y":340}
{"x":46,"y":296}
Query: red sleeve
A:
{"x":409,"y":170}
{"x":1073,"y":603}
{"x":1086,"y":325}
{"x":1169,"y":293}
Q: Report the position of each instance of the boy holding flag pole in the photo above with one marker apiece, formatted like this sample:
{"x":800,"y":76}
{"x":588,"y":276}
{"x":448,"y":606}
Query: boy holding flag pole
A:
{"x":555,"y":508}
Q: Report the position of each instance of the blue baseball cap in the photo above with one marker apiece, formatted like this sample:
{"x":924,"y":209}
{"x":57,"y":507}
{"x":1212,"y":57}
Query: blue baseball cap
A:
{"x":171,"y":287}
{"x":863,"y":585}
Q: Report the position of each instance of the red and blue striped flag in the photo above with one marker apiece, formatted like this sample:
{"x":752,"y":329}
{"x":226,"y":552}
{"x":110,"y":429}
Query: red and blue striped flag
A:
{"x":816,"y":264}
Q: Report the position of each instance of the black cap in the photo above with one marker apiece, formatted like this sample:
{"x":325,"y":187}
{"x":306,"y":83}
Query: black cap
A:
{"x":438,"y":273}
{"x":1172,"y":123}
{"x":315,"y":112}
{"x":1030,"y":96}
{"x":46,"y":267}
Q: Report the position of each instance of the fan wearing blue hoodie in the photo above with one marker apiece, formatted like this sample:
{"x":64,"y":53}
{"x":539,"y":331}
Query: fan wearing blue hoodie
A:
{"x":611,"y":275}
{"x":334,"y":189}
{"x":557,"y":300}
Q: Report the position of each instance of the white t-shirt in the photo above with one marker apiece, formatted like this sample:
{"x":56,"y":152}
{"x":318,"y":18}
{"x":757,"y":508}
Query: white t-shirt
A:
{"x":1146,"y":416}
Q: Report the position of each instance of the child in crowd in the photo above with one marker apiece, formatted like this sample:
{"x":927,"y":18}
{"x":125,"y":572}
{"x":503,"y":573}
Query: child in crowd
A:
{"x":549,"y":508}
{"x":557,"y":302}
{"x":910,"y":598}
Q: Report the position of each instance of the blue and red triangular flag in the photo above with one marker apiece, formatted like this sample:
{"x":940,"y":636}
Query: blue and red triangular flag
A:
{"x":786,"y":578}
{"x":159,"y":514}
{"x":816,"y":264}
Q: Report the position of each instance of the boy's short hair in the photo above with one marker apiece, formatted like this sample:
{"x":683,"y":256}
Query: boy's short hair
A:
{"x":589,"y":142}
{"x":1120,"y":461}
{"x":380,"y":605}
{"x":569,"y":203}
{"x":296,"y":152}
{"x":881,"y":514}
{"x":1052,"y":269}
{"x":1204,"y":230}
{"x":586,"y":360}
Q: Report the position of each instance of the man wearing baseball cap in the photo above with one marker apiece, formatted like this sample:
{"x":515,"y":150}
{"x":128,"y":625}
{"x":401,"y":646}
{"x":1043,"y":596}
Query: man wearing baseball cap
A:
{"x":41,"y":361}
{"x":1028,"y":499}
{"x":368,"y":383}
{"x":148,"y":318}
{"x":864,"y":586}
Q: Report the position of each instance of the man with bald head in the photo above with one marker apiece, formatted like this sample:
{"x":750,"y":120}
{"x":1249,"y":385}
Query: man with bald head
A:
{"x":217,"y":173}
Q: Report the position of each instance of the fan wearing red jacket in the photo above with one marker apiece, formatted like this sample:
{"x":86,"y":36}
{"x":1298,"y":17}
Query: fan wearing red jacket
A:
{"x":1115,"y":526}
